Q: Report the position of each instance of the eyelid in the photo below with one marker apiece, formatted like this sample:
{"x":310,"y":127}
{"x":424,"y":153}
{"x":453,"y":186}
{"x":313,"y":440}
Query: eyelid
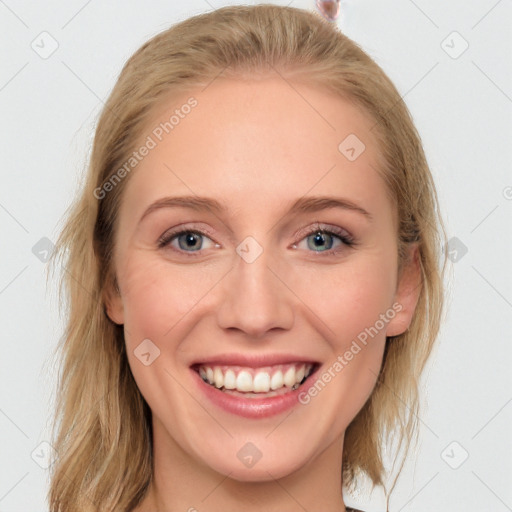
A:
{"x":320,"y":226}
{"x":187,"y":227}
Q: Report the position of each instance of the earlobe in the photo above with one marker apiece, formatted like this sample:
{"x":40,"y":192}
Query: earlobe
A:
{"x":113,"y":303}
{"x":407,"y":294}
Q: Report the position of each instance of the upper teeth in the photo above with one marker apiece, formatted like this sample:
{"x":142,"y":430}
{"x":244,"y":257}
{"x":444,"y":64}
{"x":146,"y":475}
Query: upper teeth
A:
{"x":258,"y":380}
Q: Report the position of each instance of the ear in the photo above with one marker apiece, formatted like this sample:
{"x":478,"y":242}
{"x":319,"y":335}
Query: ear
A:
{"x":113,"y":302}
{"x":407,"y":293}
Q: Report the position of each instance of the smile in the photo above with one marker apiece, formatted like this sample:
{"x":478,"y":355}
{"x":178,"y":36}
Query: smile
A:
{"x":269,"y":380}
{"x":254,"y":392}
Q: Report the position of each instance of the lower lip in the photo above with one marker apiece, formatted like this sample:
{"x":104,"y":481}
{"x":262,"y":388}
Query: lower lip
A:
{"x":253,"y":408}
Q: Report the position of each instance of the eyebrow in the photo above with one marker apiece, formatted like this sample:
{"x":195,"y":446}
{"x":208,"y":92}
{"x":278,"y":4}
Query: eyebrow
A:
{"x":302,"y":205}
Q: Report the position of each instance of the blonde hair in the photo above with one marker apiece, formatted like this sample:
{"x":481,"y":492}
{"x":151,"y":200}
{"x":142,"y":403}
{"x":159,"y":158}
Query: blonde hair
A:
{"x":102,"y":425}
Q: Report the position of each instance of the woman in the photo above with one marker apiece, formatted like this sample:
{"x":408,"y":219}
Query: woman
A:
{"x":217,"y":356}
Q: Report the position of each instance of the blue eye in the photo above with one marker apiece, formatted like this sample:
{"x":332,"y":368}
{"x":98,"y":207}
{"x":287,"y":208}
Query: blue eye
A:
{"x":317,"y":238}
{"x":188,"y":240}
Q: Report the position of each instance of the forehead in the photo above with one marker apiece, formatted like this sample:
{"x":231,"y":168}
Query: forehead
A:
{"x":248,"y":141}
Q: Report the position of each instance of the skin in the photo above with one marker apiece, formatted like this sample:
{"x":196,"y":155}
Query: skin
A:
{"x":256,"y":146}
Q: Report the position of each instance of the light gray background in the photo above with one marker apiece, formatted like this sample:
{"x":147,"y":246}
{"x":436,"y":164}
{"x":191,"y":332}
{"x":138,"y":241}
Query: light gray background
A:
{"x":462,"y":106}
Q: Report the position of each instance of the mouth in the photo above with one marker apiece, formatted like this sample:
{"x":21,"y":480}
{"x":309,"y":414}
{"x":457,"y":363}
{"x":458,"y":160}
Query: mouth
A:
{"x":253,"y":383}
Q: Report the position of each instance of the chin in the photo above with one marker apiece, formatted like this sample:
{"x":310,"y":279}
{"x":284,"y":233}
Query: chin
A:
{"x":244,"y":462}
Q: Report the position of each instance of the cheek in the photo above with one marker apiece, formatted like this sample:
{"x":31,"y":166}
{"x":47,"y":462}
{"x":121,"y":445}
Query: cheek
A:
{"x":349,"y":302}
{"x":158,"y":295}
{"x":157,"y":299}
{"x":347,"y":299}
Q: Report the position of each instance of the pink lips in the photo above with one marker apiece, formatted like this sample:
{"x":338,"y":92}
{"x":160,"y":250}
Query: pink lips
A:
{"x":252,"y":408}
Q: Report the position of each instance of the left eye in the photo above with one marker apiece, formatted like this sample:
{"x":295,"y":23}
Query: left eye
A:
{"x":322,"y":240}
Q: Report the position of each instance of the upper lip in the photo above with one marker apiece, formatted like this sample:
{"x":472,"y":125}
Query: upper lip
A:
{"x":252,"y":361}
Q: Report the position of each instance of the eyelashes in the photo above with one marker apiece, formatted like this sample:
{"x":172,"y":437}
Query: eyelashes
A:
{"x":321,"y":233}
{"x":192,"y":238}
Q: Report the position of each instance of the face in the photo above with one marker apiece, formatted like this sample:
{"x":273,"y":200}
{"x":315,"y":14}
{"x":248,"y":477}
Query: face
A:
{"x":260,"y":284}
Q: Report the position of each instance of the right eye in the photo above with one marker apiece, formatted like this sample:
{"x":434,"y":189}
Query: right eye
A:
{"x":186,"y":240}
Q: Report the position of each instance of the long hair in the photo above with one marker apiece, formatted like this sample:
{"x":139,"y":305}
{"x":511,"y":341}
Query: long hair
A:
{"x":102,"y":424}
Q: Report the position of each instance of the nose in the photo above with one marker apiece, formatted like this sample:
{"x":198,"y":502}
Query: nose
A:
{"x":255,"y":299}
